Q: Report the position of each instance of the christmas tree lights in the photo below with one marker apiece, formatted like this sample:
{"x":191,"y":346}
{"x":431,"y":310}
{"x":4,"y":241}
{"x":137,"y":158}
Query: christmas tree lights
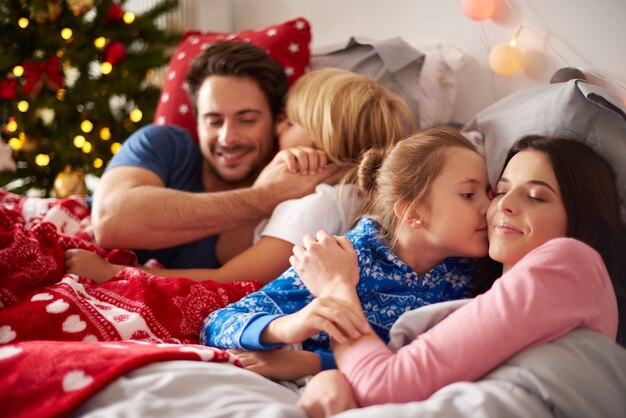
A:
{"x":54,"y":87}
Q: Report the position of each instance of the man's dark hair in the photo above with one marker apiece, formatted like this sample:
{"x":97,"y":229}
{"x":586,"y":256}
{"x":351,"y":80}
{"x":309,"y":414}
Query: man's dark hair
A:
{"x":239,"y":59}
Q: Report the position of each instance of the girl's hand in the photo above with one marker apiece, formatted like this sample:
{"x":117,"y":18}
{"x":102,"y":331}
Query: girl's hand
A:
{"x":327,"y":394}
{"x":338,"y":318}
{"x":87,"y":264}
{"x":326,"y":262}
{"x":279,"y":364}
{"x":303,"y":160}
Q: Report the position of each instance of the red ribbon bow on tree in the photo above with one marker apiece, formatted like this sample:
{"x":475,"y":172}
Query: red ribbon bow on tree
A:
{"x":37,"y":74}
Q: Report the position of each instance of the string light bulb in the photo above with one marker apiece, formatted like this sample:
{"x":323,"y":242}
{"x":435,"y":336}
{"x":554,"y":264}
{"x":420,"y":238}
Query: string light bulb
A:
{"x":135,"y":115}
{"x":105,"y":133}
{"x":11,"y":125}
{"x":478,"y":9}
{"x":505,"y":60}
{"x":100,"y":42}
{"x":79,"y":141}
{"x":115,"y":147}
{"x":23,"y":22}
{"x":86,"y":126}
{"x":106,"y":67}
{"x":129,"y":17}
{"x":97,"y":163}
{"x":42,"y":160}
{"x":66,"y":33}
{"x":23,"y":106}
{"x":18,"y":71}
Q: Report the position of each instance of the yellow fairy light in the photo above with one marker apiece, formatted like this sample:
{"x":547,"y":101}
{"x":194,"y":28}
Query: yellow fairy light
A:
{"x":79,"y":141}
{"x":135,"y":115}
{"x":97,"y":163}
{"x":23,"y":106}
{"x":12,"y":126}
{"x":115,"y":147}
{"x":86,"y":126}
{"x":66,"y":33}
{"x":106,"y":68}
{"x":100,"y":42}
{"x":42,"y":160}
{"x":23,"y":22}
{"x":129,"y":17}
{"x":18,"y":71}
{"x":87,"y":147}
{"x":60,"y":94}
{"x":105,"y":134}
{"x":15,"y":143}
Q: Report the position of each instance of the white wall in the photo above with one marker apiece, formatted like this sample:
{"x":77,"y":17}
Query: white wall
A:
{"x":557,"y":33}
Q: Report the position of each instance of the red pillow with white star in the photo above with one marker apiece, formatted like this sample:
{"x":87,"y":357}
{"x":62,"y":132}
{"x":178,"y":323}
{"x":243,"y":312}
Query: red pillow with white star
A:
{"x":288,"y":43}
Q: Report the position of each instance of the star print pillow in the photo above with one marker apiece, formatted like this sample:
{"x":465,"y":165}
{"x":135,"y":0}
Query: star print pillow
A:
{"x":288,"y":43}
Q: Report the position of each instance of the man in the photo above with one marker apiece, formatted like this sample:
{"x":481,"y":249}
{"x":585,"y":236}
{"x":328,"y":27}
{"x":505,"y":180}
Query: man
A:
{"x":164,"y":194}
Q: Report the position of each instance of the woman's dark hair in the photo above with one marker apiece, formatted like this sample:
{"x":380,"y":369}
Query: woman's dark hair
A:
{"x":589,"y":191}
{"x":239,"y":59}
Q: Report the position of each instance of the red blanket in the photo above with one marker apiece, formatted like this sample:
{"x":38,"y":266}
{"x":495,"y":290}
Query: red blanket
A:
{"x":52,"y":379}
{"x":39,"y":302}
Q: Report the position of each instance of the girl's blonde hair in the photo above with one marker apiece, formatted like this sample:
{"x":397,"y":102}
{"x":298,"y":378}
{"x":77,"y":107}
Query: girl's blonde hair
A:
{"x":404,"y":172}
{"x":346,"y":114}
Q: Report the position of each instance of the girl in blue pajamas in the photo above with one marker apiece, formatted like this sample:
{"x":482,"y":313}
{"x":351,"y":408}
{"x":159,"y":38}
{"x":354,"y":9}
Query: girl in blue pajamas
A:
{"x":424,"y":211}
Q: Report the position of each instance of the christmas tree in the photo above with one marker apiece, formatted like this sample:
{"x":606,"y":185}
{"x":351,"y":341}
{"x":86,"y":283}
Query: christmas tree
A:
{"x":77,"y":77}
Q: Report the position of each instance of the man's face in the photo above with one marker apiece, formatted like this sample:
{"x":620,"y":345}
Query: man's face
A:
{"x":235,"y":126}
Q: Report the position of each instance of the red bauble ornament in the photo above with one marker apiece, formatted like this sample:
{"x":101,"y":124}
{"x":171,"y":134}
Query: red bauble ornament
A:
{"x":115,"y":52}
{"x":8,"y":89}
{"x":115,"y":13}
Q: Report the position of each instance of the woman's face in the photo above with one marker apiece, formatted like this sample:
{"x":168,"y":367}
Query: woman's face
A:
{"x":527,"y":209}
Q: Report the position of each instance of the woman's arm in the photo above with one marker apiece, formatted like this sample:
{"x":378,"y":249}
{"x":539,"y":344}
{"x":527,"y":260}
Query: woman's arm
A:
{"x":555,"y":288}
{"x":560,"y":286}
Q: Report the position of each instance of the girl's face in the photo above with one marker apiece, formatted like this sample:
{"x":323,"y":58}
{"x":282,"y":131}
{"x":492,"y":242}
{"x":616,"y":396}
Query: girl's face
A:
{"x":455,"y":219}
{"x":291,"y":135}
{"x":527,"y":209}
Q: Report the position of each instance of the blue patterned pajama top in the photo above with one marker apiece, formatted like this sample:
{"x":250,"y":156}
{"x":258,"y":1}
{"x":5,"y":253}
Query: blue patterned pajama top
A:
{"x":387,"y":288}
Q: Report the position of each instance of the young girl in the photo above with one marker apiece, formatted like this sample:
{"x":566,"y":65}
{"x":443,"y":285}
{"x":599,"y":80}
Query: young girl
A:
{"x":425,"y":204}
{"x":332,"y":116}
{"x":550,"y":188}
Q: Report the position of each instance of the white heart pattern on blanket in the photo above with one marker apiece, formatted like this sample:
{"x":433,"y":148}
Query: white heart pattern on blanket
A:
{"x":58,"y":306}
{"x":8,"y":352}
{"x":41,"y":296}
{"x":74,"y":324}
{"x":76,"y":380}
{"x":7,"y":334}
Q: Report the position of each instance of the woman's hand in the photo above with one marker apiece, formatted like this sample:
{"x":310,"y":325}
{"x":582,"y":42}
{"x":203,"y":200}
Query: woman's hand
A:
{"x":326,"y":262}
{"x":87,"y":264}
{"x":340,"y":319}
{"x":327,"y":394}
{"x":279,"y":364}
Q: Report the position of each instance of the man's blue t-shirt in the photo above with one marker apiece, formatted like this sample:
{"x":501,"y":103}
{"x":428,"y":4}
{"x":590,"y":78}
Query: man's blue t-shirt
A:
{"x":171,"y":154}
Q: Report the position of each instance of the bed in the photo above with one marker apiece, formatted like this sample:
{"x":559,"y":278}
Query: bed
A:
{"x":98,"y":354}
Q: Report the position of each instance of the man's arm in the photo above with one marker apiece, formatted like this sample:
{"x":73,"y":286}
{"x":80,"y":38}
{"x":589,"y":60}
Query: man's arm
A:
{"x":133,"y":209}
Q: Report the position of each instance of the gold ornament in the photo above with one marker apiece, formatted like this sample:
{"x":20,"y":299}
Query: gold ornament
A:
{"x":70,"y":182}
{"x":80,"y":7}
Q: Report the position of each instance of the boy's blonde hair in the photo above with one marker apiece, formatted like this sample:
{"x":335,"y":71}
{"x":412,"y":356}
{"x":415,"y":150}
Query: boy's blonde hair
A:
{"x":346,"y":114}
{"x":405,"y":172}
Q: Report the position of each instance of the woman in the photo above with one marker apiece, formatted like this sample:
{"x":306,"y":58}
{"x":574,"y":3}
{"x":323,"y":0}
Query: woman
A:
{"x":550,"y":188}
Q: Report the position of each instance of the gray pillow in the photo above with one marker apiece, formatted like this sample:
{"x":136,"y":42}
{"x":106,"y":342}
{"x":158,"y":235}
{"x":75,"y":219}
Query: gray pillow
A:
{"x":392,"y":62}
{"x":575,"y":109}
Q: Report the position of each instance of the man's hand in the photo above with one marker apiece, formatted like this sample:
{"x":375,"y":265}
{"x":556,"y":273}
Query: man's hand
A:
{"x":277,"y":177}
{"x":338,"y":318}
{"x":327,"y":394}
{"x":326,"y":263}
{"x":303,"y":160}
{"x":279,"y":364}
